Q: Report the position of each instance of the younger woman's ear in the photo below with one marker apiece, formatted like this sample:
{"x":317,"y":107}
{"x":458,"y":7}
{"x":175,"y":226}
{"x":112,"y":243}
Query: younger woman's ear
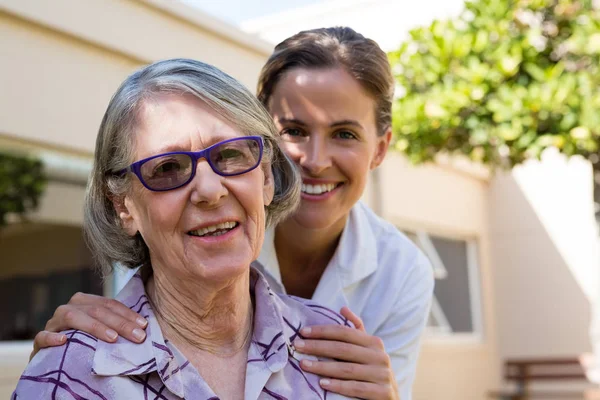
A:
{"x":381,"y":148}
{"x":127,"y":221}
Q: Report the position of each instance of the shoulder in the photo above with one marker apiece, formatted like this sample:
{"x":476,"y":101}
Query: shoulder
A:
{"x":397,"y":256}
{"x":308,"y":312}
{"x":387,"y":235}
{"x":58,"y":367}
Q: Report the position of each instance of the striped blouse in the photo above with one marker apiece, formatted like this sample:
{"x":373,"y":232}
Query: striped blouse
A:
{"x":86,"y":368}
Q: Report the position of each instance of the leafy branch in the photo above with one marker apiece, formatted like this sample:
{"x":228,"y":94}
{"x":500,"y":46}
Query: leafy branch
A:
{"x":501,"y":83}
{"x":22,"y":183}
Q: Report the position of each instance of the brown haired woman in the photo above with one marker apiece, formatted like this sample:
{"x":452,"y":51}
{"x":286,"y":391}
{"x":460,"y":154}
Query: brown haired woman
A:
{"x":330,"y":94}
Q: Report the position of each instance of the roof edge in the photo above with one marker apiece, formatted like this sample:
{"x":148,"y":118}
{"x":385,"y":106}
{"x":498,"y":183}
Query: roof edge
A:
{"x":211,"y":23}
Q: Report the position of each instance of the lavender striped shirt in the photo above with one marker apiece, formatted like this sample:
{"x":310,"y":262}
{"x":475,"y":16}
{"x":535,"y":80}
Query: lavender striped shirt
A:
{"x":86,"y":368}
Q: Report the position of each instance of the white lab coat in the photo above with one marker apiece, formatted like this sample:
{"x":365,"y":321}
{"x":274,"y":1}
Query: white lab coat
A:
{"x":382,"y":277}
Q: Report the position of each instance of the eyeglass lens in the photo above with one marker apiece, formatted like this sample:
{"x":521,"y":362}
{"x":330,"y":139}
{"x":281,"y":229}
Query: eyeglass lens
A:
{"x":226,"y":159}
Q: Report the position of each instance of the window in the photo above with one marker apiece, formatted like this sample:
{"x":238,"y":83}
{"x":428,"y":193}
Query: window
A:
{"x":456,"y":308}
{"x":42,"y":266}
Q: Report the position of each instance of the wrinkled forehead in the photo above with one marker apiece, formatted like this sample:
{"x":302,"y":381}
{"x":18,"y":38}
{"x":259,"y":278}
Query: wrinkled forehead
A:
{"x":178,"y":122}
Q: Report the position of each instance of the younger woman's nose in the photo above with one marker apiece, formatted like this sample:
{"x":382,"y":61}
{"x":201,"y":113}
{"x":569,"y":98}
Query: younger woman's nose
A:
{"x":315,"y":157}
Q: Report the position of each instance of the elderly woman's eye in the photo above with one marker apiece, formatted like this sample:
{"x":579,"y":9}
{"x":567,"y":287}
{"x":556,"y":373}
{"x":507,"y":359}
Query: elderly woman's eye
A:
{"x":166,"y":168}
{"x":227,"y":154}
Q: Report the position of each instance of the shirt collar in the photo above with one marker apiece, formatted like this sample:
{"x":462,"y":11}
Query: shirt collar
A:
{"x":271,"y":338}
{"x":126,"y":358}
{"x":356,"y":254}
{"x":355,"y":257}
{"x":268,"y":263}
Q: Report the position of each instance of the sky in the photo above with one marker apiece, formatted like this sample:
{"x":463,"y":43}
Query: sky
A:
{"x":236,"y":11}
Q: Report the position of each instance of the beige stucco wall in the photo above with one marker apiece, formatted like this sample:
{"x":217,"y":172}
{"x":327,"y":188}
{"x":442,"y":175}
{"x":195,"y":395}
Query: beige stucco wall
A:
{"x":450,"y":202}
{"x":62,"y":60}
{"x":46,"y":247}
{"x":545,"y":253}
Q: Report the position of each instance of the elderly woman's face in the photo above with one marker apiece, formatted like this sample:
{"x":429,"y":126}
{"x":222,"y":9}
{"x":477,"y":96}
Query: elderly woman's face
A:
{"x":212,"y":227}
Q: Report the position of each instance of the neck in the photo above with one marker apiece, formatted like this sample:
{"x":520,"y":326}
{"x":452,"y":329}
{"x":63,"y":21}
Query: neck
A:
{"x":199,"y":316}
{"x":309,"y":248}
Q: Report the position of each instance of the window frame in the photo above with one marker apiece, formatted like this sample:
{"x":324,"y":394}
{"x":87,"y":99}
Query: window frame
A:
{"x":444,"y":334}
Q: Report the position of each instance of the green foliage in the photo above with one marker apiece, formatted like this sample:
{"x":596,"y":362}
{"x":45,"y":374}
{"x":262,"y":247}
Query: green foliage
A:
{"x":502,"y":82}
{"x":21,"y":184}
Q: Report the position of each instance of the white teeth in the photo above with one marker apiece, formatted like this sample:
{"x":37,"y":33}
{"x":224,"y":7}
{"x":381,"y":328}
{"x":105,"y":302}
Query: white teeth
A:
{"x":215,"y":230}
{"x":318,"y":189}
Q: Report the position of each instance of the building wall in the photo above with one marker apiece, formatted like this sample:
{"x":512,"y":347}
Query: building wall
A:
{"x":449,"y":202}
{"x":545,"y":251}
{"x":41,"y":248}
{"x":62,"y":62}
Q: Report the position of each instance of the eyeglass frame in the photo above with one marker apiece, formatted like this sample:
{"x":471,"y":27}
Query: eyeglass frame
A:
{"x":135,"y":167}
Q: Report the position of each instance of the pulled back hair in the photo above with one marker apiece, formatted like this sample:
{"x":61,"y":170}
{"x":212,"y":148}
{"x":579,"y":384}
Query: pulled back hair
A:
{"x":337,"y":47}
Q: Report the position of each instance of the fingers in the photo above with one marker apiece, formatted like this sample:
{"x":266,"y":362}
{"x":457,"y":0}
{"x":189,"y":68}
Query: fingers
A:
{"x":116,"y":324}
{"x":342,"y":334}
{"x":103,"y":318}
{"x":355,"y":319}
{"x":47,"y":339}
{"x":362,"y":390}
{"x":84,"y":299}
{"x":341,"y":351}
{"x":347,"y":371}
{"x":113,"y":305}
{"x":98,"y":321}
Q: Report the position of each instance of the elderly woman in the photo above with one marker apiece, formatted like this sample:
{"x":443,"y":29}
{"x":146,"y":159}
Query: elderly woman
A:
{"x":187,"y":174}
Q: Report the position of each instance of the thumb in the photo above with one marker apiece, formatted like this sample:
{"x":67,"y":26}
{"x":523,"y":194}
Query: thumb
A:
{"x":355,"y":319}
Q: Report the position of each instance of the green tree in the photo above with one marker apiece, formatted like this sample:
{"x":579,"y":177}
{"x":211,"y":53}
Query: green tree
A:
{"x":22,"y":183}
{"x":502,"y":82}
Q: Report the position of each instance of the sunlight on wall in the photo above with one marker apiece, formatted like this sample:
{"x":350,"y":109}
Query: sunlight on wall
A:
{"x":560,"y":190}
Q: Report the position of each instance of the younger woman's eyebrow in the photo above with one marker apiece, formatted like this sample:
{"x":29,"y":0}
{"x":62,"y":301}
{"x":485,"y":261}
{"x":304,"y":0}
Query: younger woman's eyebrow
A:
{"x":347,"y":122}
{"x":344,"y":122}
{"x":290,"y":121}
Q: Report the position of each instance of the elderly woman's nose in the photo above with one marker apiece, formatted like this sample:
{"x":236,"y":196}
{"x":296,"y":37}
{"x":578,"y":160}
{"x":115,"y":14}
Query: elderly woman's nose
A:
{"x":207,"y":185}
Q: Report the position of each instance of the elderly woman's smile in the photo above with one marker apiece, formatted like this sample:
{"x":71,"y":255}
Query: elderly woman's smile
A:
{"x":214,"y":224}
{"x":213,"y":230}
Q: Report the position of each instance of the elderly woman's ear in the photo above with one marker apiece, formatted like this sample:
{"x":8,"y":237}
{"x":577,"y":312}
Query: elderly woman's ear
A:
{"x":122,"y":207}
{"x":268,"y":184}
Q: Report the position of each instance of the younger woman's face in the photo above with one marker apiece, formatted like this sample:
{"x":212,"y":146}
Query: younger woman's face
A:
{"x":327,"y":124}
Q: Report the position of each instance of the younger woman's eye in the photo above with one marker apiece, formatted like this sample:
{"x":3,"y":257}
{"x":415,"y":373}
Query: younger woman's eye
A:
{"x":345,"y":135}
{"x":293,"y":135}
{"x":291,"y":132}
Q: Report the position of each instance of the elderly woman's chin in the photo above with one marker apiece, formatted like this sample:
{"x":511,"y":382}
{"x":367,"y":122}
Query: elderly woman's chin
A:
{"x":219,"y":264}
{"x":208,"y":258}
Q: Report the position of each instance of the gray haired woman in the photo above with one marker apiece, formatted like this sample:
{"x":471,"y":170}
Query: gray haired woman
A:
{"x":187,"y":174}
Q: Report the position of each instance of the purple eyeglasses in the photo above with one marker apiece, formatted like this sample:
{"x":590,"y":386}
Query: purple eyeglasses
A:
{"x":170,"y":171}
